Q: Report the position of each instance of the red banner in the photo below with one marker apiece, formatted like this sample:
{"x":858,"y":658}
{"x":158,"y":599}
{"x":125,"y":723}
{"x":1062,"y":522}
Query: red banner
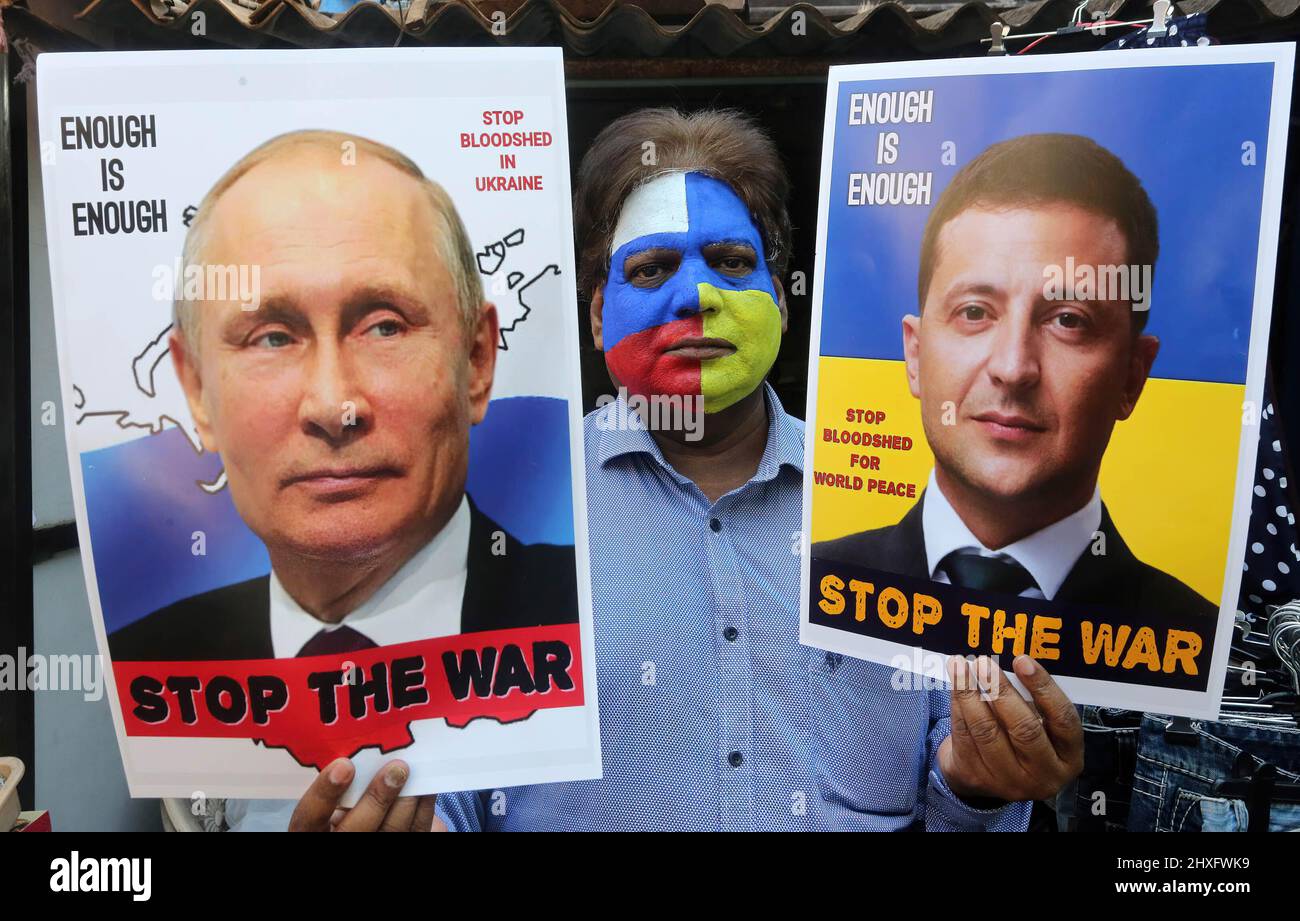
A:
{"x":324,"y":707}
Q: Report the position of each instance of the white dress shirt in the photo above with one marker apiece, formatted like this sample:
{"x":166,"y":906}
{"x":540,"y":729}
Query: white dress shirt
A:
{"x":1048,"y":554}
{"x":422,"y":600}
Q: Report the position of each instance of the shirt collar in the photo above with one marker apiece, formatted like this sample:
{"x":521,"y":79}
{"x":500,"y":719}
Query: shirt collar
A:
{"x":784,"y":439}
{"x":1048,"y":554}
{"x":421,"y":600}
{"x":621,"y":435}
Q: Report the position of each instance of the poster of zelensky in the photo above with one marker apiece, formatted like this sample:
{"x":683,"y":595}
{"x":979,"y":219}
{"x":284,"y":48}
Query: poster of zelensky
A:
{"x":1041,"y":314}
{"x":318,"y":350}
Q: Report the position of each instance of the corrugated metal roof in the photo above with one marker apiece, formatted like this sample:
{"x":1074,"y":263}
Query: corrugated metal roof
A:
{"x":621,"y":30}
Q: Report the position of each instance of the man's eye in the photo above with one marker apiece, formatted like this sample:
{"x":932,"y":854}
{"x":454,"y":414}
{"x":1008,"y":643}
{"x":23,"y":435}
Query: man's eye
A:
{"x":648,"y":272}
{"x":385,"y":329}
{"x":277,"y":339}
{"x":733,"y":262}
{"x":973,"y":313}
{"x":1070,"y":320}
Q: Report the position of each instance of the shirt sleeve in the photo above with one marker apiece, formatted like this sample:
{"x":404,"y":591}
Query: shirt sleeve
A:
{"x":461,"y":811}
{"x":944,"y":810}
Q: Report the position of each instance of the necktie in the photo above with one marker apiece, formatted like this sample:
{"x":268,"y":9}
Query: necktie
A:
{"x":970,"y":568}
{"x":336,"y":641}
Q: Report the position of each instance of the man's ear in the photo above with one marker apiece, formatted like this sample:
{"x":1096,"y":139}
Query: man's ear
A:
{"x":483,"y":361}
{"x":597,"y":314}
{"x":912,"y":352}
{"x":186,"y":365}
{"x":780,"y":303}
{"x":1141,"y":358}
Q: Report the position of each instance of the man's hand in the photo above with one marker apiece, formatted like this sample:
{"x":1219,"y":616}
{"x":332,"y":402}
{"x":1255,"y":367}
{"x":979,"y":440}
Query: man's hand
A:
{"x":1001,"y":745}
{"x":379,"y":809}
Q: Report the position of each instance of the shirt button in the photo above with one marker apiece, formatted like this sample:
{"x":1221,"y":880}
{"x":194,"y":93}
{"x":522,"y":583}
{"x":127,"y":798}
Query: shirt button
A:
{"x":715,"y":525}
{"x":736,"y":759}
{"x":731,"y":633}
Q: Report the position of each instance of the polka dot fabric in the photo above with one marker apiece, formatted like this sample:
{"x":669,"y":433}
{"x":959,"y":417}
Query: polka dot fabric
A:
{"x":1271,"y":571}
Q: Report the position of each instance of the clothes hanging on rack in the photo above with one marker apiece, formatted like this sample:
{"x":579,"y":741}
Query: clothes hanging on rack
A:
{"x":1175,"y":779}
{"x":1099,"y":799}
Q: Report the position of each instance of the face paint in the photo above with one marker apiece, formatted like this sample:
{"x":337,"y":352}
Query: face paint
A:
{"x":698,"y":222}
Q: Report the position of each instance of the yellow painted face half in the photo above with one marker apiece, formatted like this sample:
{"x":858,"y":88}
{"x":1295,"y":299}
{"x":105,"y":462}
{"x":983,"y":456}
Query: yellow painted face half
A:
{"x":751,"y":321}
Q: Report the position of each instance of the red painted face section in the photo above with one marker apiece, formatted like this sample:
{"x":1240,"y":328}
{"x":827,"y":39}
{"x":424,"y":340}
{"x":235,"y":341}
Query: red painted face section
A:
{"x":643,"y":365}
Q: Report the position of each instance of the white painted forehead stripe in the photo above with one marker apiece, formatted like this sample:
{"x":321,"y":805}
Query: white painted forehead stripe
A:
{"x":659,"y":206}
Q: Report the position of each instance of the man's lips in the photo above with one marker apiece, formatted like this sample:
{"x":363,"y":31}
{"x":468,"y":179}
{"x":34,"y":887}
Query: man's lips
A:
{"x":339,"y":482}
{"x":700,"y":347}
{"x":1009,"y":426}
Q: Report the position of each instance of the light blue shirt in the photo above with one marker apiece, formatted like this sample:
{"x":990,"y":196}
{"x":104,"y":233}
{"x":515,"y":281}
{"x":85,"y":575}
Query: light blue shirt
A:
{"x":712,"y":715}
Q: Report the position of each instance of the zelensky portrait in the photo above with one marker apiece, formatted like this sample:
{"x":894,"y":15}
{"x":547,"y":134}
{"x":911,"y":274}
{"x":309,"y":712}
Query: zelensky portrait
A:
{"x":325,"y":425}
{"x":1026,"y":335}
{"x":1034,"y":380}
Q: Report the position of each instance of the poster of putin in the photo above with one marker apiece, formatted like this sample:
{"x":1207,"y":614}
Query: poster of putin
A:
{"x":1042,"y":306}
{"x":318,"y":351}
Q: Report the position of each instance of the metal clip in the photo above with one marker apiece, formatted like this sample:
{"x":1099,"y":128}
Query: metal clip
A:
{"x":998,"y":32}
{"x":1161,"y":11}
{"x":1181,"y":730}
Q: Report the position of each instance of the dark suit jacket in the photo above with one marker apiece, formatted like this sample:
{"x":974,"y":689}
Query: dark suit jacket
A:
{"x":1116,"y":579}
{"x":527,"y":586}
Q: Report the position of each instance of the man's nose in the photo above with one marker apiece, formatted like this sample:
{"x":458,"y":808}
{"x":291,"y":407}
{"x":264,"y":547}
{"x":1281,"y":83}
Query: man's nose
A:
{"x":685,"y":296}
{"x":1014,"y":362}
{"x":332,"y":406}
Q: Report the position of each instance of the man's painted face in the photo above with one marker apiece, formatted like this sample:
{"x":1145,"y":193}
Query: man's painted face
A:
{"x":689,"y":307}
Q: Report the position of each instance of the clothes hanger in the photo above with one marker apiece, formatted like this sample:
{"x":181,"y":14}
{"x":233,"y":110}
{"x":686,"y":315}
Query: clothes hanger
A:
{"x":1260,"y":791}
{"x":1274,"y":678}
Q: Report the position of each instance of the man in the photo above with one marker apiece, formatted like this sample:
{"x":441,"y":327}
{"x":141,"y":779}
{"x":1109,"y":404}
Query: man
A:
{"x":713,"y":716}
{"x":1021,"y":387}
{"x":341,"y":408}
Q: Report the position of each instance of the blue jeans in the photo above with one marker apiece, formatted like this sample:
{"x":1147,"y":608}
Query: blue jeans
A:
{"x":1173,"y":782}
{"x":1099,"y":799}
